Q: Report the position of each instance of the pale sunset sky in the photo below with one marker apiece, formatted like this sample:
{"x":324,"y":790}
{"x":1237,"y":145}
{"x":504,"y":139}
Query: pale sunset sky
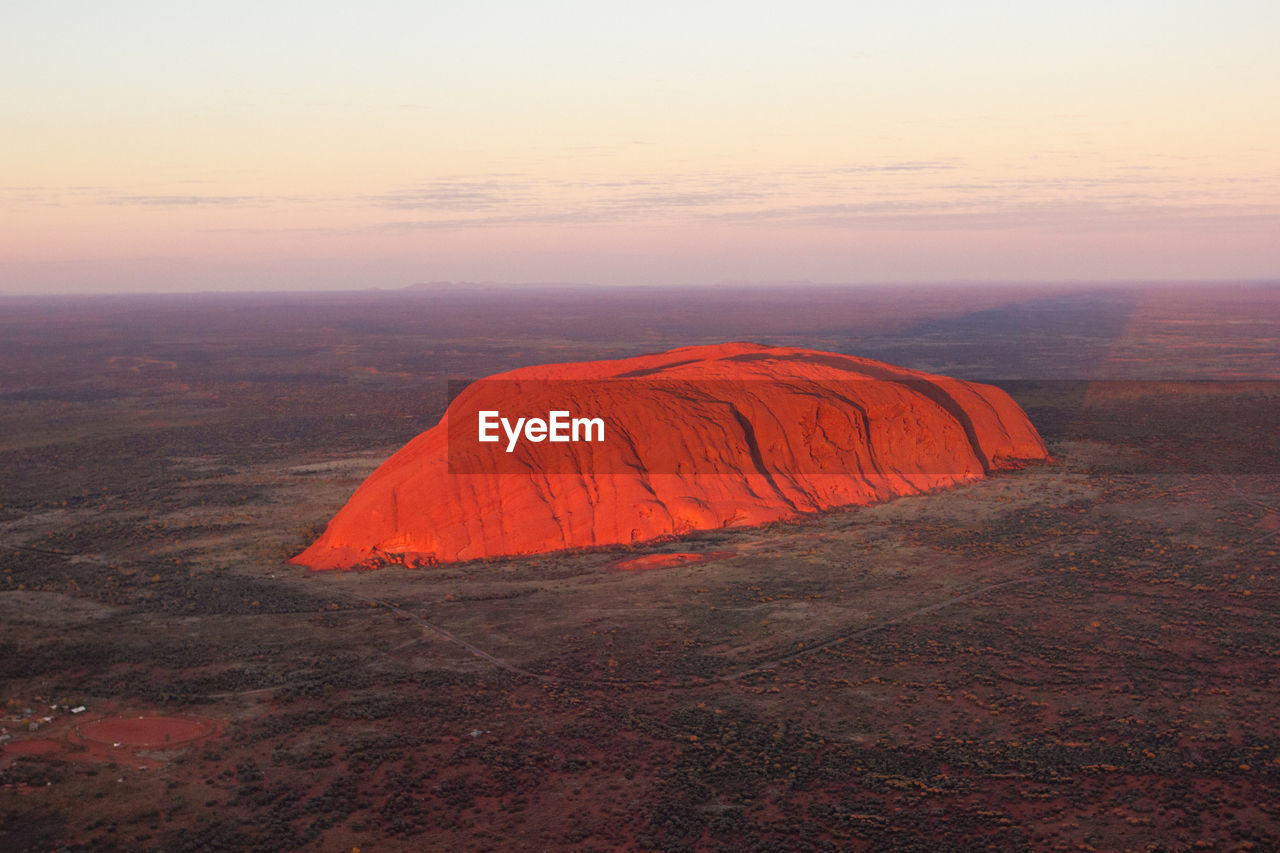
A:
{"x":171,"y":146}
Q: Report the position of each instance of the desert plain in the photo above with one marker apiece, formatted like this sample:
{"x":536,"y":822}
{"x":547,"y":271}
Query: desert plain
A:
{"x":1080,"y":654}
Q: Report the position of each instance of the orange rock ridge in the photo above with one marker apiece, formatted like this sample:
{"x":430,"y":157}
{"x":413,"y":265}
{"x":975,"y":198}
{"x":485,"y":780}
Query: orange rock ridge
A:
{"x":696,"y":438}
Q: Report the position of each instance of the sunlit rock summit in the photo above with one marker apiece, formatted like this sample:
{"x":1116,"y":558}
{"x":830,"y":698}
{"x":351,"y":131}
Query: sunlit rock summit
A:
{"x":693,"y":439}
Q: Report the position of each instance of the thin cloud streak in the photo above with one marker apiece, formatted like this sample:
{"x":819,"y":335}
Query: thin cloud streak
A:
{"x":907,"y":195}
{"x":899,"y":195}
{"x":182,"y":200}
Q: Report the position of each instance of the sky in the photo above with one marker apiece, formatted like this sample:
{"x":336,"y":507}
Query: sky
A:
{"x":184,"y":145}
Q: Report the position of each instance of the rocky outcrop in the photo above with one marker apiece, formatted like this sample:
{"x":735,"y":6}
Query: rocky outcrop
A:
{"x":693,"y":439}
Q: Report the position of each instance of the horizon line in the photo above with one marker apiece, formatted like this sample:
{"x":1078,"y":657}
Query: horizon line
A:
{"x":444,"y":285}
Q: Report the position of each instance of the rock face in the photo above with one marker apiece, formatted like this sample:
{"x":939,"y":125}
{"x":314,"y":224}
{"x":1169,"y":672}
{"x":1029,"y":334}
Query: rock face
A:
{"x":692,"y":439}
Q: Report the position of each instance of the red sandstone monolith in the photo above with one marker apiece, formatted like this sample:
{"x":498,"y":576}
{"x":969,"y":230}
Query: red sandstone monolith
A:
{"x":693,"y":439}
